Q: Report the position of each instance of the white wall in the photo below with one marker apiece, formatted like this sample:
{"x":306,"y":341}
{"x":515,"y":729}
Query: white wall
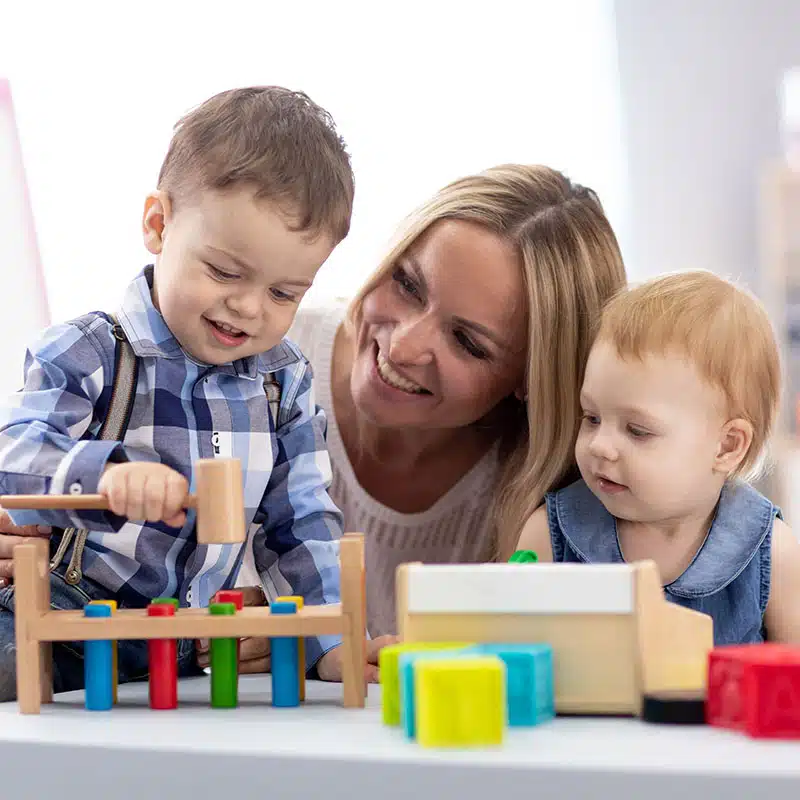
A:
{"x":422,"y":91}
{"x":699,"y":85}
{"x":23,"y":303}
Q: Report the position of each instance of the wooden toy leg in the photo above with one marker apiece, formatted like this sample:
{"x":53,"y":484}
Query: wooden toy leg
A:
{"x":354,"y":643}
{"x":32,"y":600}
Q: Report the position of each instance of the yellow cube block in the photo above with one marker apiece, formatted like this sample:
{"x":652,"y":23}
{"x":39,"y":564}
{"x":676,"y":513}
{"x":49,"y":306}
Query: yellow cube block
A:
{"x":460,"y":702}
{"x":388,"y":664}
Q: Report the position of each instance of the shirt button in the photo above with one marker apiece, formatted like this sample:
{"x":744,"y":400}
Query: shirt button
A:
{"x":75,"y":488}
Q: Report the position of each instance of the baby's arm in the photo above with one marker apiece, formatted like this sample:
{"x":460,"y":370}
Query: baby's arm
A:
{"x":536,"y":535}
{"x":782,"y":618}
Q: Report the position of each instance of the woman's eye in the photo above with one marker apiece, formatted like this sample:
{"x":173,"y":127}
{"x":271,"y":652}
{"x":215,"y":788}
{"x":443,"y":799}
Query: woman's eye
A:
{"x":591,"y":419}
{"x":404,"y":281}
{"x":638,"y":433}
{"x":467,"y":344}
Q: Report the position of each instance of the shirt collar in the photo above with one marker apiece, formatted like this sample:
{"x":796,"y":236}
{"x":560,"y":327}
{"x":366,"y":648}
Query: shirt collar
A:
{"x":742,"y":520}
{"x":150,"y":336}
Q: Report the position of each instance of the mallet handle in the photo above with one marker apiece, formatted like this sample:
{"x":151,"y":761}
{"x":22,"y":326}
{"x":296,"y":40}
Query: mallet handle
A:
{"x":59,"y":501}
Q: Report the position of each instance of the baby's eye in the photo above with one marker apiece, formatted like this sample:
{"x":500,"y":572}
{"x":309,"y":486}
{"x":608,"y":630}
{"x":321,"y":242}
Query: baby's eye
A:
{"x":638,"y":433}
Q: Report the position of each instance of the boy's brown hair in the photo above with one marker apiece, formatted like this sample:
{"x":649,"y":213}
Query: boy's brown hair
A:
{"x":277,"y":141}
{"x":719,"y":327}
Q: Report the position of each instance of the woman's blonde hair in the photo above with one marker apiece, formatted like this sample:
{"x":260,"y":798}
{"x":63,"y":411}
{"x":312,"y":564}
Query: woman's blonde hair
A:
{"x":720,"y":328}
{"x":571,"y":266}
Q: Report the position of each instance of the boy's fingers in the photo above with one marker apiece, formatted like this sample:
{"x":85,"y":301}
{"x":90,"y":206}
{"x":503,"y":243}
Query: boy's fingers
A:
{"x":8,"y":528}
{"x":9,"y":542}
{"x":176,"y":489}
{"x":374,"y":646}
{"x":255,"y":665}
{"x":252,"y":595}
{"x":154,"y":499}
{"x":134,"y":501}
{"x":253,"y":648}
{"x":116,"y":492}
{"x":176,"y":521}
{"x":372,"y":673}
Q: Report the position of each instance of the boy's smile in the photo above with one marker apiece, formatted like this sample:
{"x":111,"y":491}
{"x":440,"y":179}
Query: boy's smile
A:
{"x":230,"y":271}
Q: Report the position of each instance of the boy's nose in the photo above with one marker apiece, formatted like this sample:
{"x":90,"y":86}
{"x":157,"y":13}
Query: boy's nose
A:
{"x":246,"y":305}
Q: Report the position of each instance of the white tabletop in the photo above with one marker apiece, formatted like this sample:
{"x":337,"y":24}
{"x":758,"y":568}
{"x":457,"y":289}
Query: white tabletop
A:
{"x":324,"y":751}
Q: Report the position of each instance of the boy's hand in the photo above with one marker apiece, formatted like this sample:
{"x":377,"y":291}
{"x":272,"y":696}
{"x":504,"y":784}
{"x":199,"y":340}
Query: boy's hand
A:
{"x":10,"y":536}
{"x":329,"y":667}
{"x":253,"y":652}
{"x":144,"y":491}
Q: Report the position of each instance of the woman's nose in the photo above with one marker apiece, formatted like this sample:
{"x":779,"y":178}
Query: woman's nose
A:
{"x":412,"y":341}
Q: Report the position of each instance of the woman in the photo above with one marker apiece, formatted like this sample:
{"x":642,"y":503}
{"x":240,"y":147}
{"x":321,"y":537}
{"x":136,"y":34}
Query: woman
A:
{"x":451,"y":381}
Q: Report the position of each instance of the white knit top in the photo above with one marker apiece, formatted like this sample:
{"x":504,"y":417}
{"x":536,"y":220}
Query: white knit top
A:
{"x":454,"y":529}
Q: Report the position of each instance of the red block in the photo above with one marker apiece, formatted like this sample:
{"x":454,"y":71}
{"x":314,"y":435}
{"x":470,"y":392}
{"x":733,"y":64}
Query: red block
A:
{"x":755,"y":689}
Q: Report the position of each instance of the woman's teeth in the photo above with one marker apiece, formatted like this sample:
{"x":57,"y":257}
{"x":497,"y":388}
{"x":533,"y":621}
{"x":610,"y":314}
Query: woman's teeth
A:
{"x":395,"y":380}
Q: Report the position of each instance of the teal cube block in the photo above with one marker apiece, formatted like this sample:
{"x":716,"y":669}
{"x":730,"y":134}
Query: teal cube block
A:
{"x":529,"y":680}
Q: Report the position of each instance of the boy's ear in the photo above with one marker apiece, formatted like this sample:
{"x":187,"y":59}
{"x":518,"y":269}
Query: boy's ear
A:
{"x":734,"y":444}
{"x":157,"y":211}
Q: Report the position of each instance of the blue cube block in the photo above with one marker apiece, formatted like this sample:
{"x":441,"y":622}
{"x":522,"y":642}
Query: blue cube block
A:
{"x":529,"y":680}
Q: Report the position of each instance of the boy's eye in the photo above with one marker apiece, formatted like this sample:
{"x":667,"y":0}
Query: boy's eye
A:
{"x":221,"y":274}
{"x":280,"y":295}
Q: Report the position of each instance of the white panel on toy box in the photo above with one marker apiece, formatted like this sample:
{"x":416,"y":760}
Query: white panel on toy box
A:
{"x":520,"y":589}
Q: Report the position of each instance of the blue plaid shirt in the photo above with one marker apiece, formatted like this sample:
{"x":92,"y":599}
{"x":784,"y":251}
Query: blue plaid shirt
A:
{"x":183,"y":411}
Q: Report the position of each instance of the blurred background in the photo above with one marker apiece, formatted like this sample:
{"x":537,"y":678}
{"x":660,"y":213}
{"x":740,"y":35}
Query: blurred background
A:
{"x":684,"y":115}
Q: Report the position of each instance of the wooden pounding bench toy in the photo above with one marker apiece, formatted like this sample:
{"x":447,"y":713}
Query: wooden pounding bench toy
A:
{"x":220,"y":520}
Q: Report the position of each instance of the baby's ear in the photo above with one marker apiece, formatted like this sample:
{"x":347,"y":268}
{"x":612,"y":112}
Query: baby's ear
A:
{"x":156,"y":213}
{"x":735,"y":440}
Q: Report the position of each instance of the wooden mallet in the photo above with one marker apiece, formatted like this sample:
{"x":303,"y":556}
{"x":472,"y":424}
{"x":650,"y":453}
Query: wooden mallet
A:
{"x":219,"y":501}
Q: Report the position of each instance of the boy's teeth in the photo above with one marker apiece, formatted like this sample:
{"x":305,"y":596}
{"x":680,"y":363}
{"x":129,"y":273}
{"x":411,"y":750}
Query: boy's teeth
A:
{"x":228,"y":328}
{"x":393,"y":379}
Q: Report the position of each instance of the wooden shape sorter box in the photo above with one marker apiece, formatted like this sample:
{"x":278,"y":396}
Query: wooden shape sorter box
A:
{"x":615,"y":637}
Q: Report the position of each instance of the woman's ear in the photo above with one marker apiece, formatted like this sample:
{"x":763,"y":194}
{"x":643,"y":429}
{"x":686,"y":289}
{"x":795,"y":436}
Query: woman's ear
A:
{"x":734,"y":444}
{"x":156,"y":214}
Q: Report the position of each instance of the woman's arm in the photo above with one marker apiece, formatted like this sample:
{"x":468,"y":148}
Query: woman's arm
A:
{"x":536,"y":535}
{"x":782,"y":617}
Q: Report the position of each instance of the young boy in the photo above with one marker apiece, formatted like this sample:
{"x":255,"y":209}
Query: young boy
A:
{"x":681,"y":390}
{"x":255,"y":192}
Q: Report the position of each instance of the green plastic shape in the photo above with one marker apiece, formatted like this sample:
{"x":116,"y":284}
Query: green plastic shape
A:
{"x":523,"y":557}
